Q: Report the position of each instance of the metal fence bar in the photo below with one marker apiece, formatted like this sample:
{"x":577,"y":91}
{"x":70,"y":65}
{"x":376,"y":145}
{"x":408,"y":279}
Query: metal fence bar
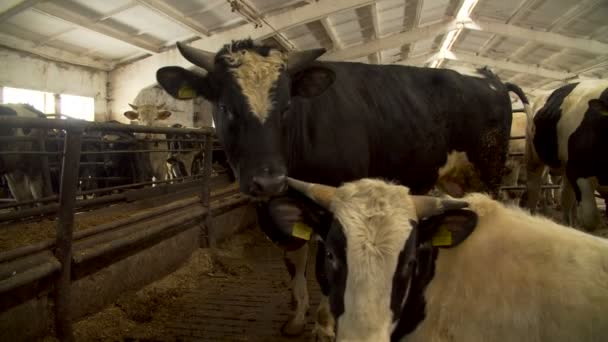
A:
{"x":53,"y":207}
{"x":11,"y":138}
{"x":65,"y":225}
{"x":522,"y":187}
{"x":13,"y":121}
{"x":95,"y":152}
{"x":516,"y":154}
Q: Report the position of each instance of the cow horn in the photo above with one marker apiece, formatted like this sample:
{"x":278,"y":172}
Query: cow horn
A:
{"x":133,"y":106}
{"x":427,"y":206}
{"x":201,"y":58}
{"x":299,"y":59}
{"x":160,"y":106}
{"x":322,"y":194}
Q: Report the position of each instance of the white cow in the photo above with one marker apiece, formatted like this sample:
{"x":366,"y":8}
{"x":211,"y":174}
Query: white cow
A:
{"x":23,"y":173}
{"x":419,"y":268}
{"x":154,"y":107}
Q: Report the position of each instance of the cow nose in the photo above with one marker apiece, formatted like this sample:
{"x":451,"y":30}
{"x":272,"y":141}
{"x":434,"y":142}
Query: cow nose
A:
{"x":270,"y":185}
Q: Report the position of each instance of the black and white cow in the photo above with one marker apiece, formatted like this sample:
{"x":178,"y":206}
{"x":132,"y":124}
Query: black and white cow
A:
{"x":23,"y":173}
{"x":280,"y":114}
{"x":569,"y":136}
{"x":419,"y":268}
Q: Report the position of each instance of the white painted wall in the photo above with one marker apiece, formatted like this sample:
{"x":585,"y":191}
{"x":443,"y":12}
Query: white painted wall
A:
{"x":23,"y":70}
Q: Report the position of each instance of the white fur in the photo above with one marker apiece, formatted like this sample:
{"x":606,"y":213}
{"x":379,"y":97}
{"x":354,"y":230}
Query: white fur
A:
{"x":375,"y":216}
{"x":517,"y":277}
{"x":257,"y":75}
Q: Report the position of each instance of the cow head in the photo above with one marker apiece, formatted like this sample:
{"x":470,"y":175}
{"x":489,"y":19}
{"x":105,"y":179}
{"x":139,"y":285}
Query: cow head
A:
{"x":377,"y":252}
{"x":148,"y":114}
{"x":251,"y":88}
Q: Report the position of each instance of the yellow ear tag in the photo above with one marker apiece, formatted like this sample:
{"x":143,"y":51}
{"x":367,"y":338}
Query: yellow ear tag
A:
{"x":186,"y":92}
{"x":301,"y":230}
{"x":443,"y":237}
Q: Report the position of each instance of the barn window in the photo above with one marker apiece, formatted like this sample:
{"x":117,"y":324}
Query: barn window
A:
{"x":43,"y":101}
{"x":77,"y":107}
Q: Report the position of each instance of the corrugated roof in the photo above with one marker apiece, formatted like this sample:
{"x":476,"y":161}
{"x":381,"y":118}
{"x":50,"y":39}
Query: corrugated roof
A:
{"x":536,"y":43}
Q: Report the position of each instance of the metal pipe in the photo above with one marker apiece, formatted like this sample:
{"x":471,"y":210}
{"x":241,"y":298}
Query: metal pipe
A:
{"x":13,"y":121}
{"x":53,"y":207}
{"x":95,"y":152}
{"x":132,"y":239}
{"x":29,"y":276}
{"x":65,"y":225}
{"x":14,"y":138}
{"x":30,"y":249}
{"x":521,"y":187}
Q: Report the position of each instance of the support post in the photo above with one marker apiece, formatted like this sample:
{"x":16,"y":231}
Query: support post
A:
{"x":63,"y":251}
{"x":206,"y":190}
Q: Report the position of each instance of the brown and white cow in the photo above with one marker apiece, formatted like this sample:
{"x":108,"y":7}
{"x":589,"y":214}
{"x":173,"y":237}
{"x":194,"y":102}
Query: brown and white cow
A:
{"x":567,"y":134}
{"x":418,"y":268}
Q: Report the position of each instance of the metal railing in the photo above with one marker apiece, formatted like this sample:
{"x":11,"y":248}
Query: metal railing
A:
{"x":74,"y":134}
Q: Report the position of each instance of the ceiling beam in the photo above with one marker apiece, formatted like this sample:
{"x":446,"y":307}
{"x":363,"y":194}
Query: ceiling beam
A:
{"x":299,"y":16}
{"x":420,"y":59}
{"x":331,"y":33}
{"x":61,"y":13}
{"x":517,"y":67}
{"x":391,"y":41}
{"x":55,"y":54}
{"x":542,"y":37}
{"x":19,"y":7}
{"x":376,"y":57}
{"x":169,"y":12}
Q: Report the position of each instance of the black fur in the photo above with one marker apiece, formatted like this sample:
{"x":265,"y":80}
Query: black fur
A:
{"x":588,"y":148}
{"x":545,"y":121}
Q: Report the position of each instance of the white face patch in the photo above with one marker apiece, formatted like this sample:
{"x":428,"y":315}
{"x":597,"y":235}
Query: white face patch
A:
{"x":375,"y":217}
{"x":257,"y":75}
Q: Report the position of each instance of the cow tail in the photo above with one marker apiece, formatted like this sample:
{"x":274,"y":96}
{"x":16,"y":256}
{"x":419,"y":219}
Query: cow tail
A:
{"x":522,"y":96}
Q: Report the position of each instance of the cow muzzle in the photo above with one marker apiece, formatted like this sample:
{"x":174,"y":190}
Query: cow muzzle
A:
{"x":268,"y":185}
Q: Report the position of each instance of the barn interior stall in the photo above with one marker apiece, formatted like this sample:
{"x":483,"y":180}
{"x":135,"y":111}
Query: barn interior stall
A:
{"x":121,"y":218}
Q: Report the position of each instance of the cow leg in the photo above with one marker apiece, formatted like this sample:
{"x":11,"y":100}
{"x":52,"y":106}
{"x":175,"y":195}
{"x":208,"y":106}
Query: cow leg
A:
{"x":587,"y":213}
{"x":325,"y":324}
{"x":568,"y":202}
{"x":534,"y":175}
{"x":296,"y":262}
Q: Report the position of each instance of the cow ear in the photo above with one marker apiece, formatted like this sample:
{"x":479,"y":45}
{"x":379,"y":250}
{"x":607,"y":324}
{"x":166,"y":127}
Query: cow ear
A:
{"x":184,"y":84}
{"x":131,"y":115}
{"x":448,"y":229}
{"x":312,"y":81}
{"x":599,"y":106}
{"x":163,"y":115}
